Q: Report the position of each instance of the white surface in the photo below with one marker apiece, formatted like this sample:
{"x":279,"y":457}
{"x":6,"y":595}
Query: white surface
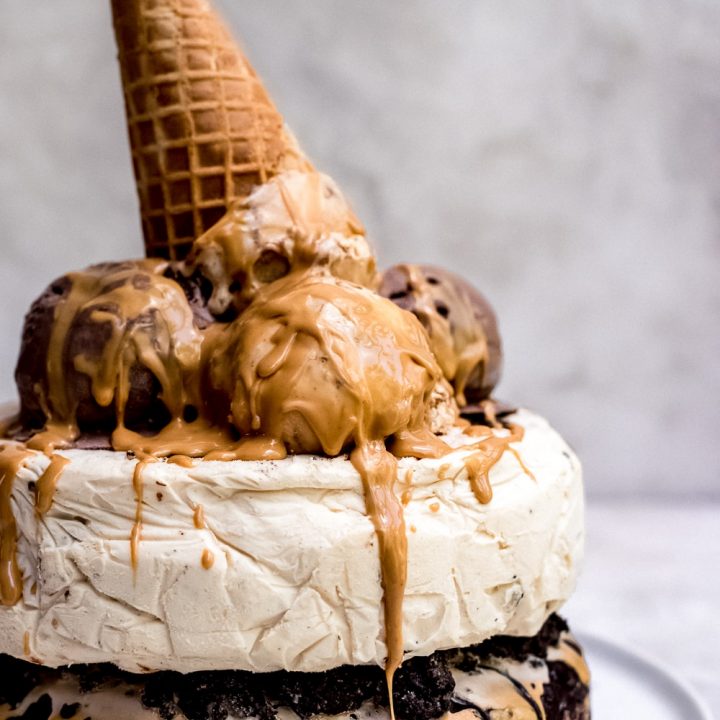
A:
{"x":296,"y":578}
{"x":650,"y":581}
{"x":628,"y":685}
{"x":563,"y":155}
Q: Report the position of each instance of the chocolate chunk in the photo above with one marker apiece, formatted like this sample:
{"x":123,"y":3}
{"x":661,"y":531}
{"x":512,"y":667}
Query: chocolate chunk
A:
{"x":487,"y":411}
{"x":197,"y":292}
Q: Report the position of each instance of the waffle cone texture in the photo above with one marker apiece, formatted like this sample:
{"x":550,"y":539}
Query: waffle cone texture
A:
{"x":203,"y":131}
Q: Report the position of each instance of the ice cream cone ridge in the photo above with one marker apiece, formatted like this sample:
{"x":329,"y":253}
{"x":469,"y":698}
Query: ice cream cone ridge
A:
{"x":203,"y":130}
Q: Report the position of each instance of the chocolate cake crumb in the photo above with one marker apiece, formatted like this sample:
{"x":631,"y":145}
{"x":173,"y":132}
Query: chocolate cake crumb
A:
{"x":18,"y":679}
{"x":159,"y":693}
{"x":331,"y":692}
{"x":41,"y":709}
{"x":92,"y":677}
{"x":423,"y":687}
{"x":514,"y":648}
{"x":570,"y":703}
{"x":215,"y":695}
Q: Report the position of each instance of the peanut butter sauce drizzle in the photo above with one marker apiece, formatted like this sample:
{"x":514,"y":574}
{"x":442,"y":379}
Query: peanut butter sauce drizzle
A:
{"x":419,"y":444}
{"x":150,"y":325}
{"x":407,"y":488}
{"x":139,"y":488}
{"x":485,"y":455}
{"x":178,"y":438}
{"x":568,"y":651}
{"x":199,"y":517}
{"x":12,"y":458}
{"x":47,"y":483}
{"x":378,"y":470}
{"x":207,"y":559}
{"x":251,"y":448}
{"x":181,"y":460}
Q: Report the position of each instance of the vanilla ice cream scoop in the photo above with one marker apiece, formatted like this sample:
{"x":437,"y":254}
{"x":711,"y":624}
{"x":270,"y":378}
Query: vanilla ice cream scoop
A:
{"x":318,"y":363}
{"x":295,"y":220}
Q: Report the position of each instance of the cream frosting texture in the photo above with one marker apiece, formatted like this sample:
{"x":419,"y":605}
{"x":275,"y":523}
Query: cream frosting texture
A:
{"x":284,"y":570}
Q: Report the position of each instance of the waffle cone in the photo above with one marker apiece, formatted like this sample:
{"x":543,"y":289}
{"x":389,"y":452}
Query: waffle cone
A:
{"x":203,"y":131}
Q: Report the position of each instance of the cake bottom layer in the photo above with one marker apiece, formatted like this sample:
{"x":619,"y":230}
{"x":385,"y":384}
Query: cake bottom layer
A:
{"x":505,"y":678}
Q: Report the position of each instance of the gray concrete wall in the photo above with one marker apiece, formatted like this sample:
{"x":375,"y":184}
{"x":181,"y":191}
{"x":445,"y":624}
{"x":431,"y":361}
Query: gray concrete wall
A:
{"x":565,"y":156}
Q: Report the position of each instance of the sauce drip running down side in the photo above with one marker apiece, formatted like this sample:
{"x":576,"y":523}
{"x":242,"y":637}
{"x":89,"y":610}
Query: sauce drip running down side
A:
{"x":486,"y":453}
{"x":12,"y":458}
{"x":47,"y":483}
{"x":199,"y":517}
{"x":378,"y":470}
{"x":139,"y":488}
{"x":207,"y":559}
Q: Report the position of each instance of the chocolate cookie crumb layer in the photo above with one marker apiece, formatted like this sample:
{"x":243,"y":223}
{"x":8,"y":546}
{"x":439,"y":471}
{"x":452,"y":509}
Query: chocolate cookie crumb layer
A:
{"x":425,"y":687}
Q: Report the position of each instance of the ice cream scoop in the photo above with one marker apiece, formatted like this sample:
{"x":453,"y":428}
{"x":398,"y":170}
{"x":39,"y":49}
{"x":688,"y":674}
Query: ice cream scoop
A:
{"x":294,"y":221}
{"x":460,"y":322}
{"x":114,"y":344}
{"x":318,"y":363}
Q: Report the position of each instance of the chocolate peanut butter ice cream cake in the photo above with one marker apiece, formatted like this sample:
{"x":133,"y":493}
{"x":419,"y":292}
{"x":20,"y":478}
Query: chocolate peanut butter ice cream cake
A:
{"x":251,"y":475}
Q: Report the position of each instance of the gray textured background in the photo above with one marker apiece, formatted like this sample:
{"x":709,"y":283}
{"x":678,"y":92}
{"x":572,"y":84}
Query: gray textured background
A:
{"x":563,"y":155}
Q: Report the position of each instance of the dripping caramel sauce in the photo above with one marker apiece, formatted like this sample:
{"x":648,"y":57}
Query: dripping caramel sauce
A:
{"x":199,"y":518}
{"x":47,"y":483}
{"x":139,"y":489}
{"x":207,"y":560}
{"x":12,"y":458}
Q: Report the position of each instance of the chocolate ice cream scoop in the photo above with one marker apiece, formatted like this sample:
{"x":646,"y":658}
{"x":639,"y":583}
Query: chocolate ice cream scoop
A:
{"x":460,"y":322}
{"x":116,"y":344}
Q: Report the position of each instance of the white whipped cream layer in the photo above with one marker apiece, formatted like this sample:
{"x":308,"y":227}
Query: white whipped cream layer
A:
{"x":295,"y":582}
